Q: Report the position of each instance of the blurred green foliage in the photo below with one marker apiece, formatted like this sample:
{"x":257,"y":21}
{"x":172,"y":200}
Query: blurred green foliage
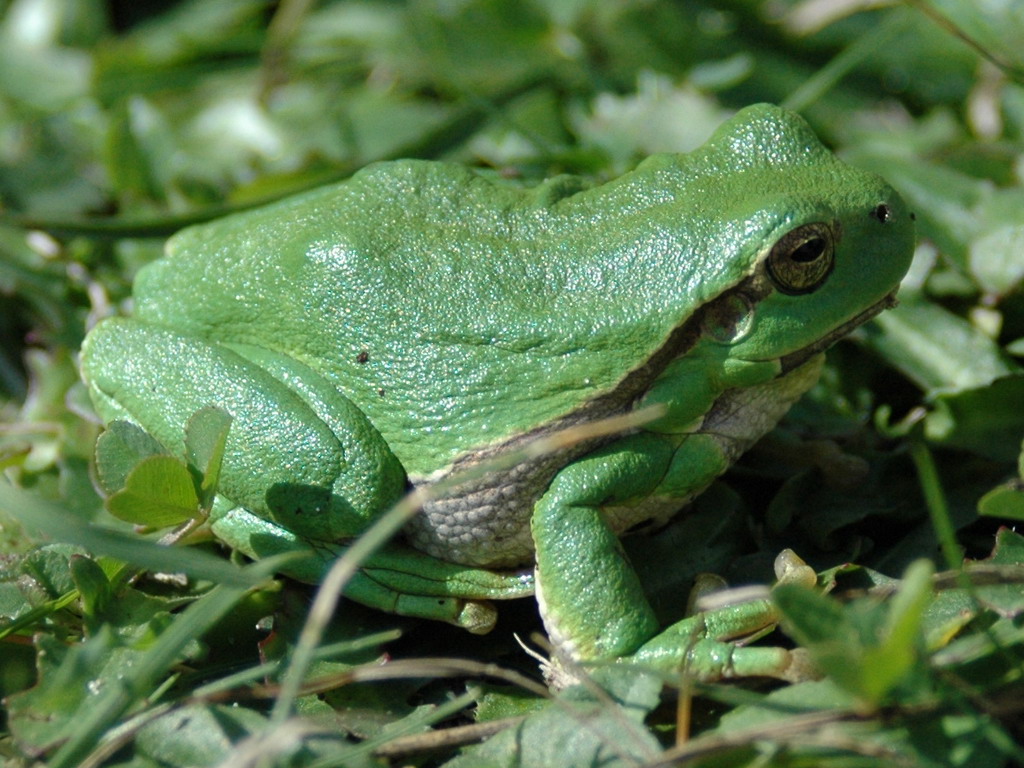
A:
{"x":123,"y":121}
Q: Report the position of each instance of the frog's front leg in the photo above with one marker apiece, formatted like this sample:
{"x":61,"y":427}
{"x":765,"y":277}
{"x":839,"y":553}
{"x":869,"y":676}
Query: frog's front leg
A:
{"x":591,"y":598}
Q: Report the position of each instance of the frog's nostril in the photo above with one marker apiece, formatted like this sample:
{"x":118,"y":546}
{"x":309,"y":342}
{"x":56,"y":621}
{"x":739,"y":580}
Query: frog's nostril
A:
{"x":882,"y":212}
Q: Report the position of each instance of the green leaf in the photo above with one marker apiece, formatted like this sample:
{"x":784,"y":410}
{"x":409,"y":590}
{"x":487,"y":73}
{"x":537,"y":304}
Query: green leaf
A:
{"x":505,"y":701}
{"x":206,"y":435}
{"x":1006,"y":501}
{"x":69,"y":676}
{"x":867,"y":648}
{"x":159,"y":492}
{"x":906,"y":608}
{"x":48,"y":569}
{"x":93,"y":585}
{"x":1009,"y":549}
{"x":923,"y":738}
{"x":1007,"y":598}
{"x":118,"y":450}
{"x":811,"y":617}
{"x":197,"y":735}
{"x":828,"y":632}
{"x":986,"y":420}
{"x":937,"y":349}
{"x":127,"y":160}
{"x":995,"y":258}
{"x":53,"y":521}
{"x":888,"y":664}
{"x":580,"y":729}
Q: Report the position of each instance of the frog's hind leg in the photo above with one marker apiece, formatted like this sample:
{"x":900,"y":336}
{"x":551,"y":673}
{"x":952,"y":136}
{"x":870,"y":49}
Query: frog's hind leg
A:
{"x":372,"y":479}
{"x":395,"y":579}
{"x":298,"y":452}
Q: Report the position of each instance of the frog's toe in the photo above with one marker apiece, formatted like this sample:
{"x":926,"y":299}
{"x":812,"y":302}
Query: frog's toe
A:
{"x":800,"y":668}
{"x":790,"y":568}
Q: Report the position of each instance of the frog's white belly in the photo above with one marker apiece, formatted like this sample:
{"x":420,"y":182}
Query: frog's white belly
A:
{"x":486,"y":521}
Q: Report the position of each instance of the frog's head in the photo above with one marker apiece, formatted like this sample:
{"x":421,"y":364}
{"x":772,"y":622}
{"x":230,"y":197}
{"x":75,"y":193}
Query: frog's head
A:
{"x":824,"y":244}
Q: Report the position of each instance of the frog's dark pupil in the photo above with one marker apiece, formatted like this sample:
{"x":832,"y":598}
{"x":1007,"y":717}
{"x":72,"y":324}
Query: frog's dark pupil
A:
{"x":809,"y":251}
{"x":882,"y":212}
{"x":803,"y":258}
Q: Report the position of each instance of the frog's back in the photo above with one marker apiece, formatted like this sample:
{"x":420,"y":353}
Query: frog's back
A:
{"x":454,"y":309}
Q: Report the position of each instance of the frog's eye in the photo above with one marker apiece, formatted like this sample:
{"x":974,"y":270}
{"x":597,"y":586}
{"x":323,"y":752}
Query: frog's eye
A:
{"x":801,"y":260}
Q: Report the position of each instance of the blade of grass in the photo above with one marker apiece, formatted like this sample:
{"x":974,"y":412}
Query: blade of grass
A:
{"x":329,"y":594}
{"x":826,"y":78}
{"x":54,"y":522}
{"x":935,"y":500}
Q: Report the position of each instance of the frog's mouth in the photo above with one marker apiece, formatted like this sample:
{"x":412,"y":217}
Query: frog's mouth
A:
{"x":801,"y":356}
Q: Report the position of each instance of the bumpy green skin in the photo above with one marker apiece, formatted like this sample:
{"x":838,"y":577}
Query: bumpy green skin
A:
{"x":422,"y":316}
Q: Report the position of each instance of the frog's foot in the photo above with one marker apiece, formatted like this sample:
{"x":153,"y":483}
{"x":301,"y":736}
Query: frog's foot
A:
{"x":790,"y":568}
{"x":711,"y":645}
{"x":702,"y":647}
{"x":706,"y":662}
{"x":396,"y":579}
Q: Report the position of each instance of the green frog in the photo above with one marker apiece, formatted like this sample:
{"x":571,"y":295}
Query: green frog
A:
{"x":422,"y":320}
